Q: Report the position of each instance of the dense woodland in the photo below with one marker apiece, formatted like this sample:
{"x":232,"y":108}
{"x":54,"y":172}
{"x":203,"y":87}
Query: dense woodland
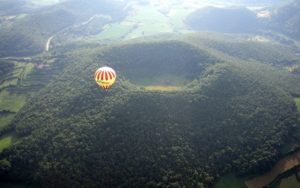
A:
{"x":228,"y":118}
{"x":233,"y":111}
{"x":287,"y":20}
{"x":225,"y":20}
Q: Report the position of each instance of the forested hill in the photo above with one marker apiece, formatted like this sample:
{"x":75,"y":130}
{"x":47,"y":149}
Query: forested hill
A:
{"x":226,"y":20}
{"x":287,"y":19}
{"x":27,"y":34}
{"x":224,"y":117}
{"x":283,"y":19}
{"x":251,"y":48}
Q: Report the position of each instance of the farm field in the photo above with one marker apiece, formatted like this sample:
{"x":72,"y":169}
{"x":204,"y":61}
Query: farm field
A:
{"x":230,"y":181}
{"x":163,"y":88}
{"x":5,"y":142}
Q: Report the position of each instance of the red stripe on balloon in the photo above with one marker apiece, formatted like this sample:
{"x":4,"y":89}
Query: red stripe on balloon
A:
{"x":102,"y":75}
{"x":98,"y":76}
{"x":110,"y":75}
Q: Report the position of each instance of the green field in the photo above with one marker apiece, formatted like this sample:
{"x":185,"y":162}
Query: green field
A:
{"x":5,"y":120}
{"x":161,"y":80}
{"x":163,"y":88}
{"x":149,"y":22}
{"x":147,"y":14}
{"x":297,"y":101}
{"x":20,"y":72}
{"x":11,"y":102}
{"x":23,"y":69}
{"x":145,"y":21}
{"x":150,"y":29}
{"x":28,"y":68}
{"x":8,"y":83}
{"x":114,"y":31}
{"x":5,"y":142}
{"x":230,"y":181}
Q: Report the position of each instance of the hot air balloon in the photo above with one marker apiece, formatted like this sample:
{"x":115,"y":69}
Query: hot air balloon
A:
{"x":105,"y":77}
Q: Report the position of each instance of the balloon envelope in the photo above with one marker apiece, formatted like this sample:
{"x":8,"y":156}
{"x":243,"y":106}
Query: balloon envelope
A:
{"x":105,"y":77}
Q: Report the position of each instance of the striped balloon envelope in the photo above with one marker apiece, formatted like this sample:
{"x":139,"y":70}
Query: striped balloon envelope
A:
{"x":105,"y":77}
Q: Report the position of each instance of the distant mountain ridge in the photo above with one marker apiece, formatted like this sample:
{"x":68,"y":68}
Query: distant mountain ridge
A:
{"x":28,"y":34}
{"x":287,"y":19}
{"x":224,"y":20}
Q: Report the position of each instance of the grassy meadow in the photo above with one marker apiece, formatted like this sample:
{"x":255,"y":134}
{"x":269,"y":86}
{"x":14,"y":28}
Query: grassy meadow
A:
{"x":5,"y":142}
{"x":230,"y":181}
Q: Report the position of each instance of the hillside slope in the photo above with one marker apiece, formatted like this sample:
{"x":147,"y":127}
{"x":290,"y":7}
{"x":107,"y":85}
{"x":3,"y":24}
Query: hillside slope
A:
{"x":27,"y":35}
{"x":287,"y":19}
{"x":224,"y":20}
{"x":73,"y":134}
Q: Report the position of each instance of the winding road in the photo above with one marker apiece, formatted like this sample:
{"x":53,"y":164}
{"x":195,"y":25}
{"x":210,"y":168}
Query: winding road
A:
{"x":47,"y":47}
{"x":48,"y":43}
